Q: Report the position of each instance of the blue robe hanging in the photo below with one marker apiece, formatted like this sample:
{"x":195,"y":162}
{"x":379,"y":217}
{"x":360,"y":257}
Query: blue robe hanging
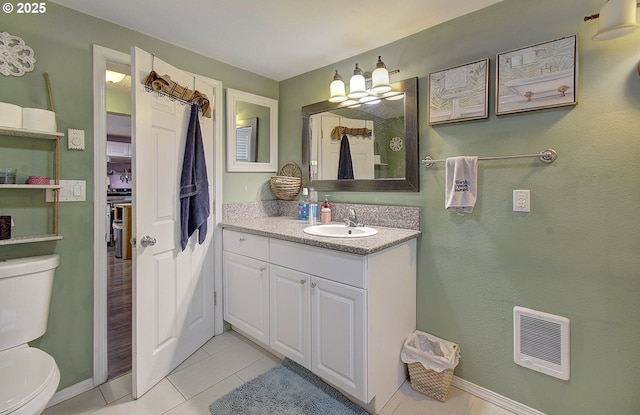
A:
{"x":194,"y":185}
{"x":345,"y":166}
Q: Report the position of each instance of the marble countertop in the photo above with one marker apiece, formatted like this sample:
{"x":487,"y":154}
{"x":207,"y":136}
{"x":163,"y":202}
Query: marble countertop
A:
{"x":291,"y":229}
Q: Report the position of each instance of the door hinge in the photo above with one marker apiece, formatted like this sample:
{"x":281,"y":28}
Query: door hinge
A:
{"x":215,"y":298}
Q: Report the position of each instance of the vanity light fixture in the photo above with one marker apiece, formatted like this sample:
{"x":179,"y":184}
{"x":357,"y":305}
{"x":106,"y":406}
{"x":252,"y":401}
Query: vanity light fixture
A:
{"x":380,"y":78}
{"x":357,"y":85}
{"x":363,"y":87}
{"x":337,"y":89}
{"x":617,"y":18}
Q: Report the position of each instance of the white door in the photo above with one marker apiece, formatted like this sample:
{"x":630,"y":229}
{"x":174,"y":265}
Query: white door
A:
{"x":172,"y":289}
{"x":338,"y":330}
{"x":361,"y":148}
{"x":290,"y":306}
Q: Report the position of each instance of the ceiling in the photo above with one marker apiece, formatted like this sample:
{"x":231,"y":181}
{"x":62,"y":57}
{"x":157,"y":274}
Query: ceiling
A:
{"x":278,"y":39}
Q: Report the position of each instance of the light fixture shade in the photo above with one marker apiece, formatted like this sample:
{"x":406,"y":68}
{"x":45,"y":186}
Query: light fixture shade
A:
{"x":337,"y":89}
{"x":617,"y":18}
{"x":380,"y":78}
{"x":357,"y":88}
{"x":114,"y":77}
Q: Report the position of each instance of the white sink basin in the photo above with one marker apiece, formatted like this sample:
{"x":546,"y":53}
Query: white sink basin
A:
{"x":339,"y":230}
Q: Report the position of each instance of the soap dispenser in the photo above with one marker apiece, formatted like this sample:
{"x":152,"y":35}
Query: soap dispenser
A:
{"x":325,"y":212}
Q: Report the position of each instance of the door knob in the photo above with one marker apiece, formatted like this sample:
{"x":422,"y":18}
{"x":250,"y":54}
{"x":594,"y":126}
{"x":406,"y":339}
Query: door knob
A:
{"x":147,"y":240}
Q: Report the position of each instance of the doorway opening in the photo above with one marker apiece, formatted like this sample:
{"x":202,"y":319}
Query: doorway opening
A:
{"x":119,"y":182}
{"x":103,"y":59}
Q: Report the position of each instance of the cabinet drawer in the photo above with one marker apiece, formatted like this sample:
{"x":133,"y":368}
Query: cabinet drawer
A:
{"x":333,"y":265}
{"x":246,"y":244}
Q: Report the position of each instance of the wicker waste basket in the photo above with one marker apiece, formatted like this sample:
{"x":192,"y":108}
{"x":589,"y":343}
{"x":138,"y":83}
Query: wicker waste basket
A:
{"x":287,"y":184}
{"x":431,"y":361}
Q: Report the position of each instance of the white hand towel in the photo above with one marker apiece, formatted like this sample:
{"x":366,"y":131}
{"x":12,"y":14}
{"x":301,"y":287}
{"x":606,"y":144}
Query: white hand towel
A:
{"x":462,"y":184}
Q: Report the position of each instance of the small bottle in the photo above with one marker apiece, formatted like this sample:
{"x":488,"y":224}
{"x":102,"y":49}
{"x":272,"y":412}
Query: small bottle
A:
{"x":325,"y":212}
{"x":303,"y":212}
{"x":313,"y":211}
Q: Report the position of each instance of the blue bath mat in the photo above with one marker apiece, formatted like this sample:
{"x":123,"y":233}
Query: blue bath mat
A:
{"x":287,"y":389}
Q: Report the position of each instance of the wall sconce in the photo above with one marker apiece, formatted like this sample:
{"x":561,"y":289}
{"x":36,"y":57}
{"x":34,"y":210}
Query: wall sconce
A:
{"x":365,"y":87}
{"x":617,"y":18}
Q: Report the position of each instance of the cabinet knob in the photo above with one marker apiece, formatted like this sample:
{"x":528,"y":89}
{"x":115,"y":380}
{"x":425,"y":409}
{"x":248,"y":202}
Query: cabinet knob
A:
{"x":262,"y":269}
{"x":303,"y":281}
{"x":313,"y":285}
{"x":241,"y":239}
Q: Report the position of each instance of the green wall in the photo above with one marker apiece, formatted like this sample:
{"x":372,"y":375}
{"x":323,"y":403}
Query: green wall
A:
{"x":62,"y":41}
{"x":576,"y":254}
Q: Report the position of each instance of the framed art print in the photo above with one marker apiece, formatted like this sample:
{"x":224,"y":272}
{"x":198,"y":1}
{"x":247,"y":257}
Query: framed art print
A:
{"x":537,"y":77}
{"x":459,"y":93}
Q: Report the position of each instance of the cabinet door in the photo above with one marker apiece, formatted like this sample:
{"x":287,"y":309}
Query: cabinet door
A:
{"x":290,"y":305}
{"x":338,"y":335}
{"x":246,"y":295}
{"x":118,"y":149}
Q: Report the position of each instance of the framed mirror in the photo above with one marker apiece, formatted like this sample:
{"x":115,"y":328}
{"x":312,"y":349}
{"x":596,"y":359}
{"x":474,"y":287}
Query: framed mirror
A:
{"x":382,"y":143}
{"x":252,"y":132}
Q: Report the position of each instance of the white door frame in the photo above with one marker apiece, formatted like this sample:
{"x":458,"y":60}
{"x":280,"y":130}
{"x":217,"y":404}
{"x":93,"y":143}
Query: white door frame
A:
{"x":101,"y":56}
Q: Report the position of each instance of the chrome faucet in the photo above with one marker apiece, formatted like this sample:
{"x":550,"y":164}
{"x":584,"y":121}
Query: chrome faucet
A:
{"x":352,"y":220}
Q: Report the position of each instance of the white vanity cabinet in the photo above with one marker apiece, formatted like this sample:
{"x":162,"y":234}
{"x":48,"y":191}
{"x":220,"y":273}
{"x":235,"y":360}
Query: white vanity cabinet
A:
{"x":246,"y":283}
{"x":319,"y":324}
{"x":289,"y":319}
{"x":343,"y":316}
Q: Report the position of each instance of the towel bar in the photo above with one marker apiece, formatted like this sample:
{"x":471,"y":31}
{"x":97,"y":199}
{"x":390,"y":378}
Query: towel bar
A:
{"x":547,"y":156}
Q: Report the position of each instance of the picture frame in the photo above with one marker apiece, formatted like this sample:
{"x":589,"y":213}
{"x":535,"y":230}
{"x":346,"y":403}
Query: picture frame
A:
{"x":536,"y":77}
{"x":460,"y":93}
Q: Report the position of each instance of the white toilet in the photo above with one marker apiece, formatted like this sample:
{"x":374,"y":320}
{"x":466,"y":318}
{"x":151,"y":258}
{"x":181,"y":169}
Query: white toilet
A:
{"x":28,"y":376}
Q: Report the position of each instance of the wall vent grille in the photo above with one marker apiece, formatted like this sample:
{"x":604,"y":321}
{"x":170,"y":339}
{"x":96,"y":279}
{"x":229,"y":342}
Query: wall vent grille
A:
{"x":541,"y":342}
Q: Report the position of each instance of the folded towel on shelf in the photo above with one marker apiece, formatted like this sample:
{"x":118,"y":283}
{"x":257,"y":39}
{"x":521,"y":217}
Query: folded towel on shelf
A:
{"x":462,"y":184}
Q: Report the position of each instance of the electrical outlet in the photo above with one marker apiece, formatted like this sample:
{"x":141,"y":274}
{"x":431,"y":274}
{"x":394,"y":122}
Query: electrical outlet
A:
{"x":521,"y":201}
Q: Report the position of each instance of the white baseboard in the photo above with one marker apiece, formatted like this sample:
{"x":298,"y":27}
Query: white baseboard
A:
{"x":71,"y":391}
{"x":494,"y":398}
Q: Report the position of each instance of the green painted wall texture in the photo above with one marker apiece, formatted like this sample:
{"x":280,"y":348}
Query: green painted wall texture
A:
{"x":576,"y":254}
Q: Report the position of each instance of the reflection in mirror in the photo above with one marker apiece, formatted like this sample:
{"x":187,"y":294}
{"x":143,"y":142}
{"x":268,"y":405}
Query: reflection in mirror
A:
{"x":379,"y":140}
{"x":252,"y":142}
{"x":246,"y":140}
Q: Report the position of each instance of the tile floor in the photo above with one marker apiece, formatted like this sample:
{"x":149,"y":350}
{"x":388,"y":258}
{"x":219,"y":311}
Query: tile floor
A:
{"x":221,"y":365}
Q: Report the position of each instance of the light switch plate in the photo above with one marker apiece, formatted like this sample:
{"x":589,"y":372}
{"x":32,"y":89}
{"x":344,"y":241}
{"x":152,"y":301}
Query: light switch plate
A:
{"x":75,"y":139}
{"x":72,"y":191}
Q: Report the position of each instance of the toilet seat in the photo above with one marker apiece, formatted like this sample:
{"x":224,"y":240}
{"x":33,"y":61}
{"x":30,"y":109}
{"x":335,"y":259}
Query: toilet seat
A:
{"x":26,"y":373}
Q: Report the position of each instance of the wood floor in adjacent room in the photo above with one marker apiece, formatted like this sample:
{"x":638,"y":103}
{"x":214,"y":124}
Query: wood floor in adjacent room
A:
{"x":221,"y":365}
{"x":119,"y":314}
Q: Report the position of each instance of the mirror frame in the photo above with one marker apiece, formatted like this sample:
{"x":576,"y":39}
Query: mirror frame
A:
{"x":411,"y":181}
{"x":233,"y":97}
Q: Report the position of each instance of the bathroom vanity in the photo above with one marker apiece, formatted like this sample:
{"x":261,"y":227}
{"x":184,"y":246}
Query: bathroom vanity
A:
{"x":340,"y":307}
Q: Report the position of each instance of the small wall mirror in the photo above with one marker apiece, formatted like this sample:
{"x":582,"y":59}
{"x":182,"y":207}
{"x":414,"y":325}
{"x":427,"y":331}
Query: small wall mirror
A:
{"x":252,"y":132}
{"x":382,"y":138}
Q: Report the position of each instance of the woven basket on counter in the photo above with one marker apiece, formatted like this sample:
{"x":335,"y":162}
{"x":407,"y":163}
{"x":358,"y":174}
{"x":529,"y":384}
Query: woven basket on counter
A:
{"x":287,"y":184}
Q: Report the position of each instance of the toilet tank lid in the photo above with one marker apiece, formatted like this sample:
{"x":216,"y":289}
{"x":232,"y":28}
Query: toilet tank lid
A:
{"x":26,"y":371}
{"x":27,"y":265}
